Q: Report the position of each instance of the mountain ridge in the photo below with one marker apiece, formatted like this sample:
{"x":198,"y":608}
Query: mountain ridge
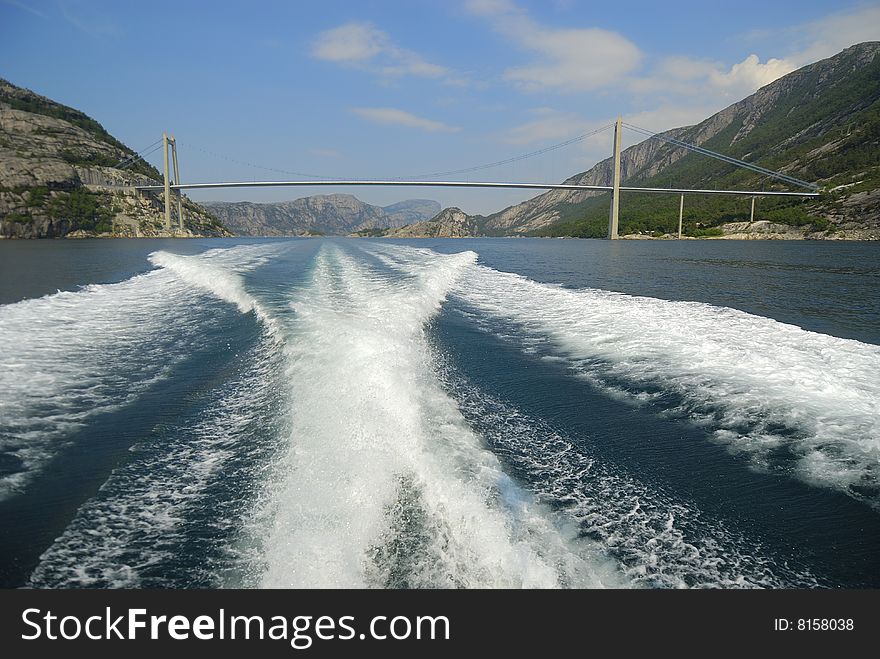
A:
{"x":333,"y":214}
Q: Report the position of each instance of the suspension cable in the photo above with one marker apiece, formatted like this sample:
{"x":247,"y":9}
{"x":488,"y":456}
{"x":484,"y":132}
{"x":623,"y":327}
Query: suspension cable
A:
{"x":514,"y":159}
{"x":465,"y":170}
{"x":139,"y":155}
{"x":728,"y":159}
{"x":255,"y":166}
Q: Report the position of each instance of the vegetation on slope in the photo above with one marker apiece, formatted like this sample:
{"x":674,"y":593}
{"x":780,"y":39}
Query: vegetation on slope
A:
{"x":821,"y":130}
{"x":27,"y":101}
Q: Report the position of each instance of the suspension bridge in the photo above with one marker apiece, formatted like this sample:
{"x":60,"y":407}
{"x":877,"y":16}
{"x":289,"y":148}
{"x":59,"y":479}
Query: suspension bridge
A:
{"x":172,"y":181}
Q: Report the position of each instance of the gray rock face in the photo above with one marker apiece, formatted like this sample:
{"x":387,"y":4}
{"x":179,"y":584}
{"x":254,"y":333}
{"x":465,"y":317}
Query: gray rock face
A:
{"x":449,"y":223}
{"x":335,"y":214}
{"x":57,"y":177}
{"x":19,"y":172}
{"x":857,"y":217}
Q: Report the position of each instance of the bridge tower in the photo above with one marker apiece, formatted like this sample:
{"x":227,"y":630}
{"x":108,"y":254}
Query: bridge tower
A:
{"x":615,"y":192}
{"x":169,"y":141}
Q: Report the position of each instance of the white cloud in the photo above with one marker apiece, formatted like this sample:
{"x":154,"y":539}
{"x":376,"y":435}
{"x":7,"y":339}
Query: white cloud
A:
{"x":365,"y":46}
{"x":808,"y":43}
{"x":403,"y":118}
{"x":680,"y":67}
{"x":681,"y":76}
{"x":750,"y":74}
{"x":575,"y":60}
{"x":590,"y":59}
{"x":568,"y":60}
{"x":352,"y":42}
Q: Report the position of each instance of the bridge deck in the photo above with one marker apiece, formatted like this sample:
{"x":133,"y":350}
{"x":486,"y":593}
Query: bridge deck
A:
{"x":471,"y":184}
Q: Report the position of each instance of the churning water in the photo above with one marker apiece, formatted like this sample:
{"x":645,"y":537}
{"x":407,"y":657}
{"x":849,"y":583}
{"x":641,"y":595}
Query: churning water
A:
{"x":424,"y":414}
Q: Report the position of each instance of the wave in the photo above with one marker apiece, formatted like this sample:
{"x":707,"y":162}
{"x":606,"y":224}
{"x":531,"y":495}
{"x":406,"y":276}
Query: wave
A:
{"x":165,"y":518}
{"x":660,"y":540}
{"x":216,"y":280}
{"x":384,"y":484}
{"x":76,"y":355}
{"x":347,"y":452}
{"x":793,"y":401}
{"x":218,"y":272}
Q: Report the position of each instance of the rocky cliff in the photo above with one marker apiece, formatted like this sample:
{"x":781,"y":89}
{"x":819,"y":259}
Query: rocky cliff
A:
{"x":449,"y":223}
{"x":60,"y":176}
{"x":820,"y":123}
{"x":335,"y":214}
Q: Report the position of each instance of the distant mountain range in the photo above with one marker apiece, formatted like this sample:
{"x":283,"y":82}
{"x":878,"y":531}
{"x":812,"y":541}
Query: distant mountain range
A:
{"x":821,"y":123}
{"x":332,"y":215}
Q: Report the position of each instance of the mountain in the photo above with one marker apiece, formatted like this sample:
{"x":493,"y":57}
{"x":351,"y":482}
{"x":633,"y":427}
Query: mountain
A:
{"x":820,"y":123}
{"x":409,"y":211}
{"x":60,"y":176}
{"x":335,"y":214}
{"x":449,"y":223}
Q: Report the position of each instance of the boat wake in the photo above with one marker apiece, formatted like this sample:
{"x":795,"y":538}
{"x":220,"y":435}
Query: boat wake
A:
{"x":793,"y":401}
{"x":339,"y":446}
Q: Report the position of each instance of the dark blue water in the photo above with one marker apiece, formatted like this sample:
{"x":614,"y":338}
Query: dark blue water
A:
{"x":439,"y":413}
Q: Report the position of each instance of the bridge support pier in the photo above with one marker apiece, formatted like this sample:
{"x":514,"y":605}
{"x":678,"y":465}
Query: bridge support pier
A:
{"x":615,"y":192}
{"x":680,"y":215}
{"x":177,"y":180}
{"x":752,"y":214}
{"x":169,"y":141}
{"x":167,"y":183}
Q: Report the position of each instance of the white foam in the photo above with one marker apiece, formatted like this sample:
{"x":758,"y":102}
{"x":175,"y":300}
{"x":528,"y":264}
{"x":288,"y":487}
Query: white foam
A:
{"x":80,"y":354}
{"x":660,"y":540}
{"x":76,"y":355}
{"x":219,"y":272}
{"x":216,"y":280}
{"x":765,"y":388}
{"x":133,"y":531}
{"x":381,"y":481}
{"x":381,"y":459}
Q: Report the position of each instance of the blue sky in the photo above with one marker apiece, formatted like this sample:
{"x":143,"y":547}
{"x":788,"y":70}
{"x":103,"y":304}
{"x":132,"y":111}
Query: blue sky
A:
{"x":375,"y":89}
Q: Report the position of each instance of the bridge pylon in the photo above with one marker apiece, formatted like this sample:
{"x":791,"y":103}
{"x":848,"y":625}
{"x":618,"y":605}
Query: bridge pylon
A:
{"x":615,"y":183}
{"x":169,"y":141}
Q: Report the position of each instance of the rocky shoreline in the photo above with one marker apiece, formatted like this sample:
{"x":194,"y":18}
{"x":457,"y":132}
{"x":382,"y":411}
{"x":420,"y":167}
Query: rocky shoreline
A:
{"x":765,"y":230}
{"x":63,"y":175}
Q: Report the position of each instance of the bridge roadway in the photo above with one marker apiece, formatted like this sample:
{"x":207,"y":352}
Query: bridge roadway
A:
{"x":470,"y":184}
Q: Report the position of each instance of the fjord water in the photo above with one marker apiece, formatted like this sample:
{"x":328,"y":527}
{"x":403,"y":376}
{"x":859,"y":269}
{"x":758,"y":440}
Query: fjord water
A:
{"x":430,"y":413}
